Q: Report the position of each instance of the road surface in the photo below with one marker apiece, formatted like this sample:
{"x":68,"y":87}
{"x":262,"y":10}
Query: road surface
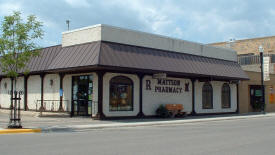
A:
{"x":244,"y":136}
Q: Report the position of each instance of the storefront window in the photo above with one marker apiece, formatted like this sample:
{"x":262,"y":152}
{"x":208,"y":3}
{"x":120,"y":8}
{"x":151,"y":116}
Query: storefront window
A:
{"x":121,"y":94}
{"x":207,"y":96}
{"x":225,"y":96}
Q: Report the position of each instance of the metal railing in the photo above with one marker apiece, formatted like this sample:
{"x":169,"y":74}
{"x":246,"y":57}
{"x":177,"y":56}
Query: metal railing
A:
{"x":84,"y":107}
{"x":254,"y":59}
{"x":52,"y":106}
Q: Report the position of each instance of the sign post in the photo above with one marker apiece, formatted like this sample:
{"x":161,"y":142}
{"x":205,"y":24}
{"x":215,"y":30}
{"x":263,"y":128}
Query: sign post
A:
{"x":261,"y":50}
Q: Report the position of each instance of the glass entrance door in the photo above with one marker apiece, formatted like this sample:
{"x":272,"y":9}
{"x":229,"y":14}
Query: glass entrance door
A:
{"x":82,"y":91}
{"x":256,"y":96}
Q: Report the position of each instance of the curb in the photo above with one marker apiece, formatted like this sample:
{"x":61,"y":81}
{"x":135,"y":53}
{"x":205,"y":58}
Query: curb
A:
{"x":15,"y":131}
{"x":74,"y":128}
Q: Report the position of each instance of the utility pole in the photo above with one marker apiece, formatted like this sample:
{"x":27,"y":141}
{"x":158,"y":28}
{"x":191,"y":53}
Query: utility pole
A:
{"x":68,"y":24}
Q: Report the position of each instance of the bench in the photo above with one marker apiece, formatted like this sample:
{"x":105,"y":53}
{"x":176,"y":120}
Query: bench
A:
{"x":175,"y":109}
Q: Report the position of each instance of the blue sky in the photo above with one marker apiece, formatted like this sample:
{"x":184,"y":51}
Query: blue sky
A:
{"x":204,"y":21}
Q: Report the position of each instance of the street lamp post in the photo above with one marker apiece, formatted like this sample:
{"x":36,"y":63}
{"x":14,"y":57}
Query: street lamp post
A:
{"x":261,"y":50}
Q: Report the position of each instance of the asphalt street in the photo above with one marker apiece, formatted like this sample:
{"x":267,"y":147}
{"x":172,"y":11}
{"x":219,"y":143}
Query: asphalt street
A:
{"x":244,"y":136}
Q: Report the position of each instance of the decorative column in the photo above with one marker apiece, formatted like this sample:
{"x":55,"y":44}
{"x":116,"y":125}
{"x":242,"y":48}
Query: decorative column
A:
{"x":100,"y":114}
{"x":140,"y":114}
{"x":61,"y":76}
{"x":193,"y":97}
{"x":238,"y":103}
{"x":42,"y":91}
{"x":26,"y":77}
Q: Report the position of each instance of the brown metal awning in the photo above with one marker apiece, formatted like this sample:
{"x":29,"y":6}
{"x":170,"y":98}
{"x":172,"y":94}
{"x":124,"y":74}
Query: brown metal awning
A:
{"x":101,"y":54}
{"x":118,"y":55}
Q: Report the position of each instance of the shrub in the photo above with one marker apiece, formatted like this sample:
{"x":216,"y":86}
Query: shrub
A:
{"x":162,"y":112}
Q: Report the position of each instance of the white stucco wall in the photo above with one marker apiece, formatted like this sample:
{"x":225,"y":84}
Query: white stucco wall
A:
{"x":4,"y":96}
{"x":82,"y":35}
{"x":34,"y":91}
{"x":67,"y":91}
{"x":217,"y":90}
{"x":106,"y":95}
{"x":152,"y":100}
{"x":51,"y":92}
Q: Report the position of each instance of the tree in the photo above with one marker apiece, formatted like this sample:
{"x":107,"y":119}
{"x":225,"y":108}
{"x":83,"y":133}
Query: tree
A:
{"x":18,"y":44}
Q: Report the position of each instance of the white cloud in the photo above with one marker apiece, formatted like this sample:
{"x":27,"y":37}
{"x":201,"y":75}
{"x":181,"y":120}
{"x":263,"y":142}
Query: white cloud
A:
{"x":78,"y":3}
{"x":8,"y":7}
{"x":199,"y":20}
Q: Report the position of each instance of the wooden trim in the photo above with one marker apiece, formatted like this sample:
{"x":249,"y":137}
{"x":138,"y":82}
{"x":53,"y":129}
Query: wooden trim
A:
{"x":42,"y":90}
{"x":140,"y":114}
{"x":238,"y":103}
{"x":72,"y":102}
{"x":100,"y":114}
{"x":193,"y":97}
{"x":26,"y":77}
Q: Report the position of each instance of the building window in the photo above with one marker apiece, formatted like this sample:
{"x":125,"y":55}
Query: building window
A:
{"x":225,"y":95}
{"x":207,"y":96}
{"x":121,"y":94}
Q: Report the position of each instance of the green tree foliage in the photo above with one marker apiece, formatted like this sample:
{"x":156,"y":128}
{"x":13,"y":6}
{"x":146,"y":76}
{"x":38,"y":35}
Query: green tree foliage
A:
{"x":18,"y":43}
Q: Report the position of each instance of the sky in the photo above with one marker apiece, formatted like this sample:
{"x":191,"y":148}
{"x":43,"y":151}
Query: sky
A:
{"x":203,"y":21}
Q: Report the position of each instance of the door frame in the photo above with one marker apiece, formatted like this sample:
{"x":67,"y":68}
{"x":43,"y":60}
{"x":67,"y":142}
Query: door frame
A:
{"x":255,"y":87}
{"x":72,"y":100}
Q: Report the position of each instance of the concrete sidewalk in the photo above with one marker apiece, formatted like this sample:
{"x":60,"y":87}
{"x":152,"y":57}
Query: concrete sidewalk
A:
{"x":155,"y":122}
{"x":63,"y":123}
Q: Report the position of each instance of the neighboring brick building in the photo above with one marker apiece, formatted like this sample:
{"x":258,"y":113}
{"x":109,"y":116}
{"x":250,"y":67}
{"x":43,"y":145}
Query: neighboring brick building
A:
{"x":248,"y":52}
{"x":250,"y":46}
{"x":249,"y":59}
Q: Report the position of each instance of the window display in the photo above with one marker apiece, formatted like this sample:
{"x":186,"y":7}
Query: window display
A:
{"x":121,"y":94}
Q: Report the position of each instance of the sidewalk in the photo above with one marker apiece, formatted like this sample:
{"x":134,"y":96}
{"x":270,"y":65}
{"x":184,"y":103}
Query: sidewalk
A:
{"x":63,"y":123}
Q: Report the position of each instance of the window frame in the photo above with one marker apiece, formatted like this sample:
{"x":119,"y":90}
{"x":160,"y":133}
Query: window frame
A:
{"x":222,"y":95}
{"x":211,"y":93}
{"x":132,"y":91}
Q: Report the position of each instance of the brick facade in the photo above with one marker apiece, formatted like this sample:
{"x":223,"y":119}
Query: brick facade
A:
{"x":248,"y":46}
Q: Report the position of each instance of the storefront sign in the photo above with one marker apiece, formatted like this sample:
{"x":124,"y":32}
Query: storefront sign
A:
{"x":266,"y":68}
{"x":166,"y":86}
{"x":258,"y":92}
{"x":60,"y":92}
{"x":160,"y":76}
{"x":271,"y":95}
